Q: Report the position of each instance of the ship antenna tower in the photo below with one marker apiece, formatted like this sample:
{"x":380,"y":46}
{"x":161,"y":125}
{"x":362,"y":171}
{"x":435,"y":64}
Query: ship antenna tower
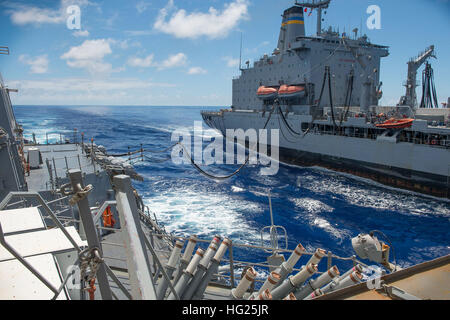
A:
{"x":240,"y":55}
{"x":315,"y":4}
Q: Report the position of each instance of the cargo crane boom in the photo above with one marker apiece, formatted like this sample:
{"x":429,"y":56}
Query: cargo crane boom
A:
{"x":410,"y":97}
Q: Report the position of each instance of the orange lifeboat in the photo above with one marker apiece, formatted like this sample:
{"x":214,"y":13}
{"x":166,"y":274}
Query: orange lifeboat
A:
{"x":266,"y":93}
{"x":291,"y":91}
{"x":395,"y":123}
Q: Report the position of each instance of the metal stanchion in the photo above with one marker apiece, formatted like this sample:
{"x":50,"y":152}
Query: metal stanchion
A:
{"x":293,"y":282}
{"x":187,"y":275}
{"x":81,"y":200}
{"x":170,"y":268}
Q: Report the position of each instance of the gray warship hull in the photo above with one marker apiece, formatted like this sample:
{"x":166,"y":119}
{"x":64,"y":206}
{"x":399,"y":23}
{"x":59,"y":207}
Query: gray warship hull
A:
{"x":414,"y":166}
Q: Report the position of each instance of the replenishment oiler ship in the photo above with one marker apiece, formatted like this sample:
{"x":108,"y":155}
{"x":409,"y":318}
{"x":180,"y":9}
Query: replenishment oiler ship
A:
{"x":72,"y":227}
{"x":322,"y":93}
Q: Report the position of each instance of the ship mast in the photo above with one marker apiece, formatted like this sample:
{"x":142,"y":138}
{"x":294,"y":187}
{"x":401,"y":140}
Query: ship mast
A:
{"x":319,"y":5}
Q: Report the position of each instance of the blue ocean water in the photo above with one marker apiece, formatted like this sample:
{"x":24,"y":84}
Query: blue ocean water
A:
{"x":318,"y":208}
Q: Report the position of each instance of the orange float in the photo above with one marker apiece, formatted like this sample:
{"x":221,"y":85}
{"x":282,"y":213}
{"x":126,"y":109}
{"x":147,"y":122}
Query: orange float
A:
{"x":266,"y":93}
{"x":395,"y":123}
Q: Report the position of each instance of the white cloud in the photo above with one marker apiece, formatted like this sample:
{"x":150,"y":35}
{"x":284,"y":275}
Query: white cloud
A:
{"x":89,"y":55}
{"x":32,"y":15}
{"x":141,"y":62}
{"x":231,"y":62}
{"x":175,"y":60}
{"x":79,"y":91}
{"x":89,"y":50}
{"x":125,"y":44}
{"x":213,"y":24}
{"x":25,"y":14}
{"x":38,"y":64}
{"x":197,"y":70}
{"x":141,"y":6}
{"x":112,"y":91}
{"x":81,"y":33}
{"x":85,"y":85}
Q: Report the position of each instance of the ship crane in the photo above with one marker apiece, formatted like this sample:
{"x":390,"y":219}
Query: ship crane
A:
{"x":319,"y":5}
{"x":410,"y":97}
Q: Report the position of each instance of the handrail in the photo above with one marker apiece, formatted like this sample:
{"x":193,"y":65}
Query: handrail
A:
{"x":100,"y":211}
{"x":163,"y":271}
{"x":249,"y":246}
{"x":55,"y":219}
{"x":24,"y":262}
{"x":46,"y":208}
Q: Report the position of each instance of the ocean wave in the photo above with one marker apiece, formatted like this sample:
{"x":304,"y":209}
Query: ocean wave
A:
{"x":187,"y":211}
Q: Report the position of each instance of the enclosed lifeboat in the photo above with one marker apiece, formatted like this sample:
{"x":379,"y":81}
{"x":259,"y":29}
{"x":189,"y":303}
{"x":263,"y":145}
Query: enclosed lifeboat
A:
{"x":287,"y":92}
{"x":395,"y":123}
{"x":266,"y":93}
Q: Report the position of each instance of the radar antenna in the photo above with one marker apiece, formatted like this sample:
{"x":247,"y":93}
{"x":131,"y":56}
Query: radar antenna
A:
{"x":319,"y":5}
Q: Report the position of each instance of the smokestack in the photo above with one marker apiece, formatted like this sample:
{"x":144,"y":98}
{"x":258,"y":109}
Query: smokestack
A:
{"x":292,"y":26}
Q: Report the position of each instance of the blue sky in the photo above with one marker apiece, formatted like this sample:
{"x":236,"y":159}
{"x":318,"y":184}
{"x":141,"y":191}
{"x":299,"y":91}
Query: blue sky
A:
{"x":173,"y":52}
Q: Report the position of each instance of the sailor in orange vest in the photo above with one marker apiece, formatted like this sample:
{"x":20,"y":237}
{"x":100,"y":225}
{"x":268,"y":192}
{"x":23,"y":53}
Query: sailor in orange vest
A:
{"x":108,"y":218}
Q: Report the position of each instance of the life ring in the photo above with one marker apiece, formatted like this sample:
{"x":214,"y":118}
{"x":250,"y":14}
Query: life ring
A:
{"x":433,"y":142}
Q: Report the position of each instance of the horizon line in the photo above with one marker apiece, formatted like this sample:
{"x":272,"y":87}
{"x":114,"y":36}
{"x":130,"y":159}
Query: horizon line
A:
{"x":110,"y":105}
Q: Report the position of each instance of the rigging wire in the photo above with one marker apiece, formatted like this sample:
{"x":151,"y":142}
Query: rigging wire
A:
{"x":429,"y":96}
{"x":188,"y":155}
{"x":282,"y":132}
{"x":209,"y":175}
{"x":324,"y":60}
{"x":326,"y":74}
{"x":141,"y":151}
{"x":214,"y":177}
{"x":348,"y":97}
{"x":286,"y":123}
{"x":318,"y":104}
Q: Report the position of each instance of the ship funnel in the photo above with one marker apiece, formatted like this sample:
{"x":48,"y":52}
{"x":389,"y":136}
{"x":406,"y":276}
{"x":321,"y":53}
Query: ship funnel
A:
{"x":292,"y":26}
